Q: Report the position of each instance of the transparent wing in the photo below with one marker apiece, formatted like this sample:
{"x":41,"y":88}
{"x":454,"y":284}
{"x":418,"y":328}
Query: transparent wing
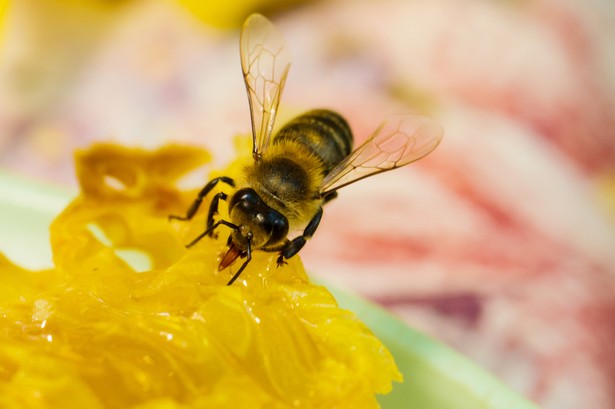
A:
{"x":265,"y":60}
{"x":398,"y":141}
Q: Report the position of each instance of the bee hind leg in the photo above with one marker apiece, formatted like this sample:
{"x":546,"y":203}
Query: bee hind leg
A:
{"x":329,"y":196}
{"x":293,"y":246}
{"x":199,"y":199}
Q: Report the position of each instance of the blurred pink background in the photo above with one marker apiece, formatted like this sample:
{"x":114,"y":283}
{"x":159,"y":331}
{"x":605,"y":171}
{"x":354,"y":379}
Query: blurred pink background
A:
{"x":501,"y":243}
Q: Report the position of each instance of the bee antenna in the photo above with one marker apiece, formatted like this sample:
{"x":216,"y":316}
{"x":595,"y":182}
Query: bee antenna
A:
{"x":245,"y":263}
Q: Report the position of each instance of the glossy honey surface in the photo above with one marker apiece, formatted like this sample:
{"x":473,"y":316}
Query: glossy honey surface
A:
{"x":129,"y":318}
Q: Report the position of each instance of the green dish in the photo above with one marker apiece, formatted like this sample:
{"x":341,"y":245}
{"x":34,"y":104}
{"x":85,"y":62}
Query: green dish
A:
{"x":436,"y":377}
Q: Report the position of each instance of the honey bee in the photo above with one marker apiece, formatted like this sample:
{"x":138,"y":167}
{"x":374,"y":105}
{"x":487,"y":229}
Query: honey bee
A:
{"x":295,"y":172}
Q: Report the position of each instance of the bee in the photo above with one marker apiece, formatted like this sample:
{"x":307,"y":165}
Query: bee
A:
{"x":300,"y":168}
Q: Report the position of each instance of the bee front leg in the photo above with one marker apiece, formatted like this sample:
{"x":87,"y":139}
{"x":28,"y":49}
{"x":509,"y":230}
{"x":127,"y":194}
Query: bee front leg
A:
{"x":293,"y":246}
{"x":199,"y":199}
{"x":211,"y":229}
{"x":213,"y":211}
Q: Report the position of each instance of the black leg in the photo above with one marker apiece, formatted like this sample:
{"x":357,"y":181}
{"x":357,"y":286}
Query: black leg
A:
{"x":329,"y":196}
{"x":199,"y":199}
{"x":244,"y":265}
{"x":292,"y":247}
{"x":213,"y":210}
{"x":210,"y":229}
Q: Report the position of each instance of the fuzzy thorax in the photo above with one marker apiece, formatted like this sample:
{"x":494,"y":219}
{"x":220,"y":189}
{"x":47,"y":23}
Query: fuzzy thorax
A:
{"x":288,"y":178}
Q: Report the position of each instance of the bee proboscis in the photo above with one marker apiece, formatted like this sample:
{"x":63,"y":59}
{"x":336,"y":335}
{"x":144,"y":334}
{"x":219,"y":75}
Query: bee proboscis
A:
{"x":300,"y":168}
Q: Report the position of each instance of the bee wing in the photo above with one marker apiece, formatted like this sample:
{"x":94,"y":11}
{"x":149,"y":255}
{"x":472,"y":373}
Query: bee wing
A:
{"x":398,"y":141}
{"x":265,"y":60}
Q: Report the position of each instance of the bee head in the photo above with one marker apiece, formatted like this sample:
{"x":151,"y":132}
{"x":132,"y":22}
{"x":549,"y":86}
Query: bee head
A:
{"x":257,"y":222}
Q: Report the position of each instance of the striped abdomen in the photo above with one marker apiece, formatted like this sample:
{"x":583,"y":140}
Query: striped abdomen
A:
{"x":325,"y":133}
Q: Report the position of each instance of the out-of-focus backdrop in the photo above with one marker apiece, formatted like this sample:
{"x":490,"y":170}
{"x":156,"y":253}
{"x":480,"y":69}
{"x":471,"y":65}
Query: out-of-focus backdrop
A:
{"x":501,"y":243}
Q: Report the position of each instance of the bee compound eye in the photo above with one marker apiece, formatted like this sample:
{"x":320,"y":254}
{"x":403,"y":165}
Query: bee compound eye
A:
{"x":278,"y":225}
{"x":249,"y":196}
{"x":246,"y":198}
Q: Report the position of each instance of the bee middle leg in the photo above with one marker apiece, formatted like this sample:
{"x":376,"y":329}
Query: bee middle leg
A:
{"x":293,"y":246}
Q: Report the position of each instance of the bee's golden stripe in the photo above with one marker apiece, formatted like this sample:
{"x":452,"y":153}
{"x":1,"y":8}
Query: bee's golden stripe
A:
{"x":325,"y":133}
